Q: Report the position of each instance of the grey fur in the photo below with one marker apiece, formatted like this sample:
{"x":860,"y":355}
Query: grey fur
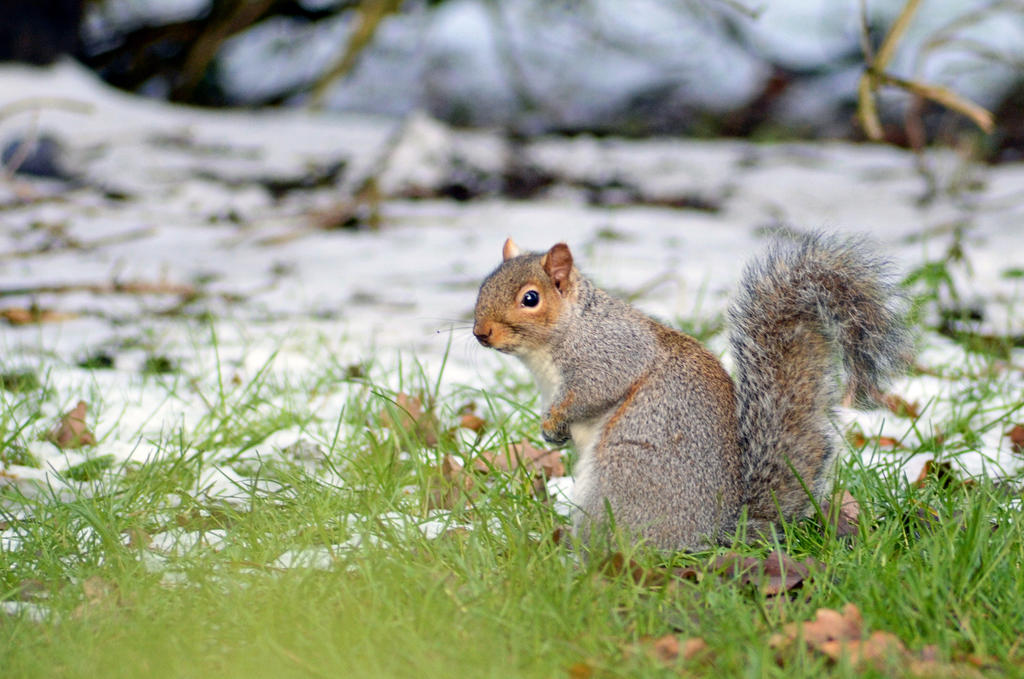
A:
{"x":665,"y":441}
{"x":807,"y":307}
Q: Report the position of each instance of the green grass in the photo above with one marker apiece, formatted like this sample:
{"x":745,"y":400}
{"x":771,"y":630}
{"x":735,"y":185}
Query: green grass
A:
{"x":487,"y":591}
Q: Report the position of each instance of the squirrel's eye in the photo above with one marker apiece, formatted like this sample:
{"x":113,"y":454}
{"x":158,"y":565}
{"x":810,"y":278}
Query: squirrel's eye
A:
{"x":531,"y":298}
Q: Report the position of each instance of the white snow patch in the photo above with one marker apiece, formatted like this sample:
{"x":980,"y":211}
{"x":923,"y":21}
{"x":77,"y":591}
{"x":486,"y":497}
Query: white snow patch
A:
{"x":181,"y":542}
{"x":287,"y":301}
{"x":319,"y":558}
{"x":31,"y":610}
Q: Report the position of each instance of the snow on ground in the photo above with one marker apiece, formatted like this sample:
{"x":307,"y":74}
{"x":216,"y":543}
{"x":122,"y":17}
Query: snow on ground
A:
{"x":167,"y":196}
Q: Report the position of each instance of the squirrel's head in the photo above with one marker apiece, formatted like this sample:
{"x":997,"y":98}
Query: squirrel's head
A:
{"x":520,"y":303}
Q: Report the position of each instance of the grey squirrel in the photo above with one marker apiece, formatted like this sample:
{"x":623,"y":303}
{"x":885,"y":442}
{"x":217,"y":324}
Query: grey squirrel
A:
{"x":667,"y":442}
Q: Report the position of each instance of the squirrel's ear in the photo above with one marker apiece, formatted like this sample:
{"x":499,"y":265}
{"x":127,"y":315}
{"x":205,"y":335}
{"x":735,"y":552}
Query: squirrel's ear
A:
{"x":557,"y":263}
{"x":510,"y":250}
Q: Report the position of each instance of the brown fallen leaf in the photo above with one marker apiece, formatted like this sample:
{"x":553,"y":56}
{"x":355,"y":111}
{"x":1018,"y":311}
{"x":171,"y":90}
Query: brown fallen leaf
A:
{"x":580,"y":670}
{"x":137,"y":537}
{"x":828,"y":625}
{"x":932,"y":469}
{"x":843,"y":517}
{"x":691,"y":573}
{"x":469,"y":418}
{"x":693,"y":647}
{"x":669,"y":649}
{"x":71,"y":431}
{"x":929,"y":653}
{"x":774,"y":574}
{"x":472,"y":422}
{"x":523,"y":454}
{"x":878,"y":650}
{"x":617,"y":565}
{"x":410,"y":416}
{"x":542,"y":464}
{"x":1016,"y":435}
{"x":412,"y":407}
{"x":450,"y":485}
{"x":99,"y":594}
{"x":942,"y":473}
{"x":96,"y":588}
{"x":666,"y":648}
{"x":856,"y":439}
{"x":859,"y":440}
{"x":838,"y":635}
{"x":16,"y":316}
{"x":22,"y":316}
{"x":901,"y":407}
{"x":150,"y":288}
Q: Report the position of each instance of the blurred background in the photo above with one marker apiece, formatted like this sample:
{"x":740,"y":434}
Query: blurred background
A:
{"x":299,"y":198}
{"x":759,"y":69}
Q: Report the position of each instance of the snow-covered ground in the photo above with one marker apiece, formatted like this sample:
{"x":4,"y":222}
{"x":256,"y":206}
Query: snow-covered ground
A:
{"x":169,"y":196}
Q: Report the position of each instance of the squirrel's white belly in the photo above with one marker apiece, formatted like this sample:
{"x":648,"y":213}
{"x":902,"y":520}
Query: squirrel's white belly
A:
{"x":585,"y":435}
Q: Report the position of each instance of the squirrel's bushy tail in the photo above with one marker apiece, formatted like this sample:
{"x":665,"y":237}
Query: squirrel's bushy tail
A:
{"x":809,"y":305}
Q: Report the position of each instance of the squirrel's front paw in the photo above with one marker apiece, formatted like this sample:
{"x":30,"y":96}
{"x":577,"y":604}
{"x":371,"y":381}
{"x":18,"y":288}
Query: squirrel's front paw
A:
{"x":555,"y":433}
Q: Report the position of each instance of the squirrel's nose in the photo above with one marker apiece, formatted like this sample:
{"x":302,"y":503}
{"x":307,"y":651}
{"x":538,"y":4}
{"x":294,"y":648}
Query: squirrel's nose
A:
{"x":483,"y":332}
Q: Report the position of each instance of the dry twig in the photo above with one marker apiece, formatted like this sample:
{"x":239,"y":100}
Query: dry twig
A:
{"x":875,"y":76}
